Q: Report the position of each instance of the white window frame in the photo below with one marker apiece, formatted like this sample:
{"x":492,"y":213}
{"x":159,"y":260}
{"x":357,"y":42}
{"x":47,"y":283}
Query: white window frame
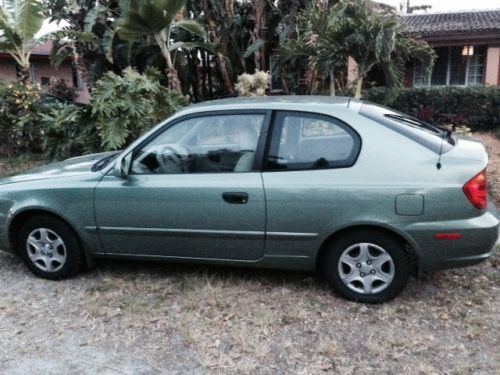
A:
{"x":448,"y":72}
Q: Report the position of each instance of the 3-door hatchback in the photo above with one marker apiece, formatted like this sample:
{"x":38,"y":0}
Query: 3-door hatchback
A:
{"x":357,"y":191}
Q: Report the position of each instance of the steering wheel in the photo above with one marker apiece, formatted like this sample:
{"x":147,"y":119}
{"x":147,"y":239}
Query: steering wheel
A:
{"x":172,"y":158}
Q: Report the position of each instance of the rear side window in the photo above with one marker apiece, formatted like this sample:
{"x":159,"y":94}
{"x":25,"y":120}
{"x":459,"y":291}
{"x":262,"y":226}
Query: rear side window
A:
{"x":303,"y":141}
{"x":432,"y":137}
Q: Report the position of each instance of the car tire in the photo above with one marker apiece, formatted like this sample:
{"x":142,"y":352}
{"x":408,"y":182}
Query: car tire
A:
{"x":367,"y":266}
{"x":50,"y":248}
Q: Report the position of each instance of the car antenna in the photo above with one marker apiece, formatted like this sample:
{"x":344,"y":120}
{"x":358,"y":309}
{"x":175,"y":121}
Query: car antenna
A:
{"x":348,"y":101}
{"x":446,"y":133}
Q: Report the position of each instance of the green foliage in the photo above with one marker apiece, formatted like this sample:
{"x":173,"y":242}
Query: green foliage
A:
{"x":31,"y":123}
{"x":60,"y":89}
{"x":19,"y":113}
{"x":126,"y":106}
{"x":477,"y":106}
{"x":67,"y":131}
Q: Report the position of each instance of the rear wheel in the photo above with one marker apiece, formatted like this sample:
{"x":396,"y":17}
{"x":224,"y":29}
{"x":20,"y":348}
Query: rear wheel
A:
{"x":49,"y":248}
{"x":367,"y":266}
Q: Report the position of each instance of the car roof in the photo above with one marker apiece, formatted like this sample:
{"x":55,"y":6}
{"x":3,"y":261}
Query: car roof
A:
{"x":291,"y":102}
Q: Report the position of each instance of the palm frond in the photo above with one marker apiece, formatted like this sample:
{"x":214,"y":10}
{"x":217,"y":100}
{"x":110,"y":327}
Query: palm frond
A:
{"x":192,"y":27}
{"x":28,"y":18}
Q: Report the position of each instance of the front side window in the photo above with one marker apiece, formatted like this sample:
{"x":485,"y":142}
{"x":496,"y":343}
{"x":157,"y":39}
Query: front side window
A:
{"x":302,"y":141}
{"x":206,"y":144}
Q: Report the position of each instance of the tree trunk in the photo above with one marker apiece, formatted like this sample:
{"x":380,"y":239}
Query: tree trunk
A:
{"x":359,"y":86}
{"x":173,"y":77}
{"x":228,"y":83}
{"x":173,"y":80}
{"x":81,"y":68}
{"x":204,"y":89}
{"x":286,"y":90}
{"x":209,"y":77}
{"x":332,"y":82}
{"x":218,"y":34}
{"x":259,"y":16}
{"x":314,"y":83}
{"x":25,"y":74}
{"x":197,"y":75}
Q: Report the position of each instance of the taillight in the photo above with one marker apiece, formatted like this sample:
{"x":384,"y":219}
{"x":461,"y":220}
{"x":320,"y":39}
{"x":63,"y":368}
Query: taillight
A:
{"x":476,"y":190}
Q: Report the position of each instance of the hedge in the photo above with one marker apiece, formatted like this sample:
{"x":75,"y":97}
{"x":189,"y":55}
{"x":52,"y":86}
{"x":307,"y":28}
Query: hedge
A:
{"x":478,"y":107}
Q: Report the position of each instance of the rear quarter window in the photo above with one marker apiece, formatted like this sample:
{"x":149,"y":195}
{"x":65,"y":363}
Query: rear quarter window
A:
{"x":432,"y":137}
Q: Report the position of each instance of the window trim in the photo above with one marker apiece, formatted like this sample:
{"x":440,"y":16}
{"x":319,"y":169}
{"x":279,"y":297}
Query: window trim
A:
{"x":277,"y":123}
{"x":261,"y":144}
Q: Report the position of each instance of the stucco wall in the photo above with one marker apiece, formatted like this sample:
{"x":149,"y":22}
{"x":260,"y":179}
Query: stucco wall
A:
{"x":43,"y":69}
{"x":7,"y":71}
{"x":491,"y":76}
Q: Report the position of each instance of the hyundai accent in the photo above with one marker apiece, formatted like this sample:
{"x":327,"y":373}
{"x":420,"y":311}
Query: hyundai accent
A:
{"x":359,"y":192}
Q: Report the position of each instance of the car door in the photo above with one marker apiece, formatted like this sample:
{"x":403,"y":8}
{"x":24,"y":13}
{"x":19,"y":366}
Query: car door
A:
{"x":193,"y":191}
{"x":305,"y":175}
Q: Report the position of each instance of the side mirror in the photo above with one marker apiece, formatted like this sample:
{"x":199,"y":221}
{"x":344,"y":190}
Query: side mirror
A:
{"x":122,"y":166}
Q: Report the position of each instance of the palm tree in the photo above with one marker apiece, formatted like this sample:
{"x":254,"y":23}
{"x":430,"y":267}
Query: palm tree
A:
{"x":327,"y":35}
{"x":319,"y":39}
{"x":157,"y":18}
{"x":20,"y":24}
{"x":375,"y":38}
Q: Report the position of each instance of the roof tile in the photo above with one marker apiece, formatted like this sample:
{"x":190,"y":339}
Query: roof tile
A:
{"x":444,"y":23}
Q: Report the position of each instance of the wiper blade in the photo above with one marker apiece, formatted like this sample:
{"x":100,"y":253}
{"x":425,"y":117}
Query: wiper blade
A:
{"x":100,"y":164}
{"x":414,"y":122}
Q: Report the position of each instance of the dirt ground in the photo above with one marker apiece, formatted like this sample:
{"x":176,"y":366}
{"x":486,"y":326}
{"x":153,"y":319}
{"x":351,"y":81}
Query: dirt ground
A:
{"x":492,"y":144}
{"x":150,"y":318}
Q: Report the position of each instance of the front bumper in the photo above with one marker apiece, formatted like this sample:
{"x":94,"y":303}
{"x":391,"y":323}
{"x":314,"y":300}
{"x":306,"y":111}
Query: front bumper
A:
{"x":478,"y":242}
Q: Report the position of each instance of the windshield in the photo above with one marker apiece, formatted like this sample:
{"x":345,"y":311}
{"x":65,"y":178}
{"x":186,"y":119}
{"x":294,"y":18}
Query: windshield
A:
{"x":430,"y":136}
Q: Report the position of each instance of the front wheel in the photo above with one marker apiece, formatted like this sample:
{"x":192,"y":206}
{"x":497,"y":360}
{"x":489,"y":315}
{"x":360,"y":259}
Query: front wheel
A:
{"x":367,"y":266}
{"x":49,"y":248}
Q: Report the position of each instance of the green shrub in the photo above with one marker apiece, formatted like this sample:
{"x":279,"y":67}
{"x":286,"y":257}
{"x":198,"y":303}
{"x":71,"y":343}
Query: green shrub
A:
{"x":67,"y":130}
{"x":19,"y":116}
{"x":478,"y":107}
{"x":126,"y":106}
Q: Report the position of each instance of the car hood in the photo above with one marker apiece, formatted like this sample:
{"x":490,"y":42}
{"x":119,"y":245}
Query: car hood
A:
{"x":69,"y":167}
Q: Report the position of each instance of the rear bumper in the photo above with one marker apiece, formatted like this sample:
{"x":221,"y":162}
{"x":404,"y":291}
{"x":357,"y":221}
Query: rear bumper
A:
{"x":480,"y":236}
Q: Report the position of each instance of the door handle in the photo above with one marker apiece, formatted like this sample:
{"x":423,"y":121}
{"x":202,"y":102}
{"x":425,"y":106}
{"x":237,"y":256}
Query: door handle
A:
{"x":235,"y":198}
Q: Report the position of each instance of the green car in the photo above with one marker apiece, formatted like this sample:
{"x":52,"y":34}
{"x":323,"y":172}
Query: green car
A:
{"x":359,"y":192}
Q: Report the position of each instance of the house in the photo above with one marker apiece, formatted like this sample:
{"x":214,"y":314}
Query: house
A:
{"x":41,"y":70}
{"x":467,"y":46}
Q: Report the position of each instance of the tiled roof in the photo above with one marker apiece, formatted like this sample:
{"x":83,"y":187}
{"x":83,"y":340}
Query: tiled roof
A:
{"x":43,"y":49}
{"x":454,"y":22}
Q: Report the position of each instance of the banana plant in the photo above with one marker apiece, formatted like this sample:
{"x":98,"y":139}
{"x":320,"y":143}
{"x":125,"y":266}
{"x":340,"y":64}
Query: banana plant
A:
{"x":20,"y":24}
{"x":159,"y":19}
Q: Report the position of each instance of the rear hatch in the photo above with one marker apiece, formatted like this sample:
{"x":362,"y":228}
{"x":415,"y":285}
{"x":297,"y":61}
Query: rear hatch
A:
{"x":461,"y":159}
{"x":467,"y":148}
